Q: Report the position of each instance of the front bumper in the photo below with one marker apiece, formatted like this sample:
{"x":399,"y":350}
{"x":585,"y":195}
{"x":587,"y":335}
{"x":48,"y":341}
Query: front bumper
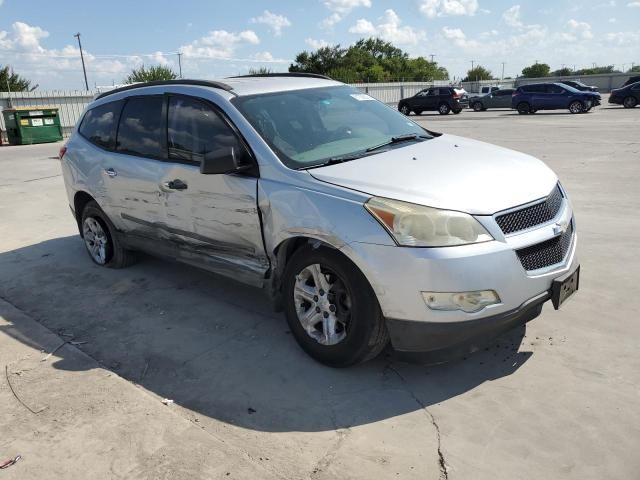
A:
{"x":398,"y":275}
{"x":437,"y":341}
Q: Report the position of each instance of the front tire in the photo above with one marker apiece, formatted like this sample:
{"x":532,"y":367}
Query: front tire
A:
{"x":630,"y":102}
{"x":404,"y":109}
{"x":576,"y":107}
{"x":331,"y":309}
{"x":477,"y":107}
{"x":444,"y":109}
{"x":99,"y":237}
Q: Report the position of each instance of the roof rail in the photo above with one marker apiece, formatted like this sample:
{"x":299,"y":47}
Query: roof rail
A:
{"x":284,"y":74}
{"x":203,"y":83}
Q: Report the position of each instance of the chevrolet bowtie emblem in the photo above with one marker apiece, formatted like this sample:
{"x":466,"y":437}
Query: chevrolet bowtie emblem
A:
{"x":560,"y":227}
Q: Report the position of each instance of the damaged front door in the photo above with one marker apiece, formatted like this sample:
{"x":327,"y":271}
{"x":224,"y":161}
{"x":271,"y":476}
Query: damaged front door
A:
{"x":213,"y":218}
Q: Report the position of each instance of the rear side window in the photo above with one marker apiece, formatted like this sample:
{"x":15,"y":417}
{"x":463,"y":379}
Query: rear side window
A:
{"x":555,"y":89}
{"x":99,"y":124}
{"x":142,"y":127}
{"x":196,"y":131}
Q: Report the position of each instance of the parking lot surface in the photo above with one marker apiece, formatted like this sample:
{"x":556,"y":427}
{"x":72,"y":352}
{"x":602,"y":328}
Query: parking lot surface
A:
{"x":558,"y":399}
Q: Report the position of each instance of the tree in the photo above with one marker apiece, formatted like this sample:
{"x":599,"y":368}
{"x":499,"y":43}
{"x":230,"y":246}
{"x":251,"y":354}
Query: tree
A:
{"x":260,"y":71}
{"x":597,"y":70}
{"x":367,"y":60}
{"x":150,"y":74}
{"x":478,"y":73}
{"x":16,"y":82}
{"x":562,"y":72}
{"x":634,"y":69}
{"x":536,"y":70}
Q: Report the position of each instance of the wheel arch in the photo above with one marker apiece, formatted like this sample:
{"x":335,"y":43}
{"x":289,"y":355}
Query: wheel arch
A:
{"x":80,"y":200}
{"x":283,"y":252}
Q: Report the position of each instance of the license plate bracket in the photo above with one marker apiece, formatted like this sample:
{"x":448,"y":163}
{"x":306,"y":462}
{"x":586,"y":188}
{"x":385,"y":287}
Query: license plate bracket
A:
{"x":564,"y":287}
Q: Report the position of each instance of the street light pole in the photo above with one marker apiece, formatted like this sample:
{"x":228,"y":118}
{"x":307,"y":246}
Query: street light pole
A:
{"x":180,"y":63}
{"x":84,"y":70}
{"x":502,"y":76}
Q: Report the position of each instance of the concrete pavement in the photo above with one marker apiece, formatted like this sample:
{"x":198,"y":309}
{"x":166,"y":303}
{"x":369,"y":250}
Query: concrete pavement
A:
{"x":558,"y":400}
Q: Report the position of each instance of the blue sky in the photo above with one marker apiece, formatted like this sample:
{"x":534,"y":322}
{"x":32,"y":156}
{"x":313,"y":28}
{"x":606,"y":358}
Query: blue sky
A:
{"x":225,"y":38}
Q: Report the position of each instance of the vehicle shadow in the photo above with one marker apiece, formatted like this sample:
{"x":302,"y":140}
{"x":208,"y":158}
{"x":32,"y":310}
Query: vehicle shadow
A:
{"x":216,"y":347}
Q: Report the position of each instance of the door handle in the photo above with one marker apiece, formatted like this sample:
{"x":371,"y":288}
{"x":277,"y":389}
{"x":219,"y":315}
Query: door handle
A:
{"x":110,"y":172}
{"x":176,"y":184}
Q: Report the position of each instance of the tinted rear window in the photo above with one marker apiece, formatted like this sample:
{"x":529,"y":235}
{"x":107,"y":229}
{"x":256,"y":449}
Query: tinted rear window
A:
{"x":99,"y":124}
{"x":534,"y":88}
{"x":142,"y":127}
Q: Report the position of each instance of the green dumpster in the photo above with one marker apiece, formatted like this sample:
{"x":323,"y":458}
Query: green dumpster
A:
{"x":27,"y":125}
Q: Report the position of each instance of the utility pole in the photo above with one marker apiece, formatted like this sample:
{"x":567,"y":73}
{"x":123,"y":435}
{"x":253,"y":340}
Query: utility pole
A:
{"x":502,"y":76}
{"x":432,"y":56}
{"x":86,"y":83}
{"x":180,"y":63}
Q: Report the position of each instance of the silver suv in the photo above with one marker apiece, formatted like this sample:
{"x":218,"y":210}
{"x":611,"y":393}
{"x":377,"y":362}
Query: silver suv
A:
{"x":359,"y":223}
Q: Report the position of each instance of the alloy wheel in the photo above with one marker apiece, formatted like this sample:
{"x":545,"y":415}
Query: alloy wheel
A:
{"x":630,"y":102}
{"x":323,"y":304}
{"x":405,"y":110}
{"x":95,"y":239}
{"x":575,"y":107}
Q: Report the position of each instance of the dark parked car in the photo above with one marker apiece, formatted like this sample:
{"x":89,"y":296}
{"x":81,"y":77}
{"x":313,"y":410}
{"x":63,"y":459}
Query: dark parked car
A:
{"x":440,"y":99}
{"x":495,"y":99}
{"x":580,"y":86}
{"x":631,"y":80}
{"x":628,"y":96}
{"x":552,"y":96}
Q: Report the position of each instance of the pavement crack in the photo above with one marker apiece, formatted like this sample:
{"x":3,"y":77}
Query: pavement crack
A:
{"x":442,"y":464}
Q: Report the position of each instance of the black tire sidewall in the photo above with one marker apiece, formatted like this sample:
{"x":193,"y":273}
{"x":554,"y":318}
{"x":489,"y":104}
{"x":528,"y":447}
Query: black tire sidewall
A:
{"x":477,"y":107}
{"x":92,"y":210}
{"x":444,"y":109}
{"x":523,"y":108}
{"x":365,"y":310}
{"x":634,"y":102}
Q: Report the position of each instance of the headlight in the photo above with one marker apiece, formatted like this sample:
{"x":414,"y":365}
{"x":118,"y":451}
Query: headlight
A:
{"x":414,"y":225}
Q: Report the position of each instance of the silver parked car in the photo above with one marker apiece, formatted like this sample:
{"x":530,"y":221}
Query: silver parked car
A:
{"x":494,"y":99}
{"x":363,"y":226}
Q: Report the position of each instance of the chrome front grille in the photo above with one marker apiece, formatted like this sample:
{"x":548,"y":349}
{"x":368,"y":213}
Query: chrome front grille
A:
{"x":536,"y":214}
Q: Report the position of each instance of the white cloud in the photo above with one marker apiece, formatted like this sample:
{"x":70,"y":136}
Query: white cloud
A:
{"x":390,"y":28}
{"x":577,"y":31}
{"x":512,"y":17}
{"x":612,"y":20}
{"x":444,"y":8}
{"x":316,"y":44}
{"x":159,"y":58}
{"x":489,"y":34}
{"x":219,"y":44}
{"x":363,"y":27}
{"x":275,"y":22}
{"x":345,"y":6}
{"x":459,"y":38}
{"x":340,"y":9}
{"x":633,"y":4}
{"x":623,"y":38}
{"x":263,"y":57}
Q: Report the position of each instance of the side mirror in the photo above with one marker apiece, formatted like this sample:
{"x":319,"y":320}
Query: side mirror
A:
{"x":226,"y":159}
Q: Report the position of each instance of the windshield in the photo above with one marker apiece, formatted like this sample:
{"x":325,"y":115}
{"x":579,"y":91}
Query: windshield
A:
{"x":312,"y":127}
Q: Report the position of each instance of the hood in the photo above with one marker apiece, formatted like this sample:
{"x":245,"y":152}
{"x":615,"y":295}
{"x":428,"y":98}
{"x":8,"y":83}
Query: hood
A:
{"x":447,"y":172}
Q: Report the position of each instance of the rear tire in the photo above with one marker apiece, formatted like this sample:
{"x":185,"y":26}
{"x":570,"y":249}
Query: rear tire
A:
{"x":576,"y":107}
{"x":338,"y":322}
{"x":456,"y":111}
{"x":444,"y":109}
{"x":100,"y":239}
{"x":630,"y":102}
{"x":523,"y":108}
{"x":477,"y":107}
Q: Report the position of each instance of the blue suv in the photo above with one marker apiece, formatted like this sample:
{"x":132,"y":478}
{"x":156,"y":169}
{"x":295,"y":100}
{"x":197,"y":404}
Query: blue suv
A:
{"x":552,"y":96}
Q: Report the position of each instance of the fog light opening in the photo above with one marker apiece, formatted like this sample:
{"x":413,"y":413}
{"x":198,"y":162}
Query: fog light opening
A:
{"x":469,"y":302}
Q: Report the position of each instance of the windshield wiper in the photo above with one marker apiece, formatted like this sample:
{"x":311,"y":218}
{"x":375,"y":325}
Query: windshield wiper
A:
{"x":338,"y":159}
{"x":400,"y":138}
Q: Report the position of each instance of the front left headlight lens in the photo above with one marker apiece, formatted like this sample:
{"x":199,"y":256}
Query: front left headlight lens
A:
{"x":414,"y":225}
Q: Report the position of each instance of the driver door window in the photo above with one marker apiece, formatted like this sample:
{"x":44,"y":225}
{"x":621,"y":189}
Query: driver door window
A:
{"x":196,"y":131}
